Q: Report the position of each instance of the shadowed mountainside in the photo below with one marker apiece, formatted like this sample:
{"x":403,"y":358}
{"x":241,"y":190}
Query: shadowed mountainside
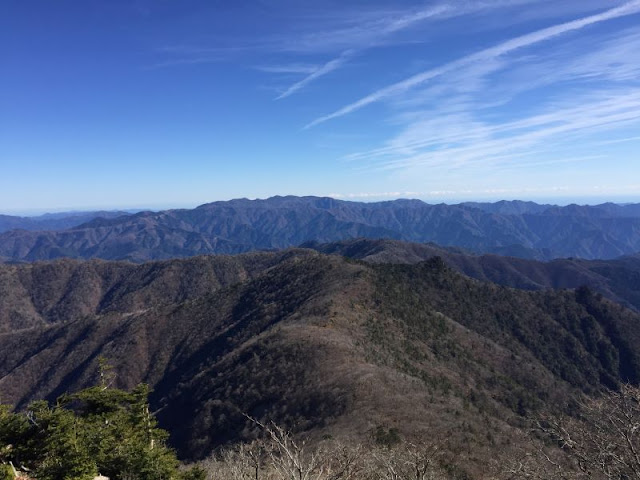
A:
{"x":508,"y":228}
{"x":44,"y":293}
{"x":618,"y":279}
{"x":318,"y":343}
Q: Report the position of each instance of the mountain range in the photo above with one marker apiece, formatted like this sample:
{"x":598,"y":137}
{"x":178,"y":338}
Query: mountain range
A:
{"x":618,"y":279}
{"x":54,"y":221}
{"x":520,"y":229}
{"x":318,"y":314}
{"x":322,"y":344}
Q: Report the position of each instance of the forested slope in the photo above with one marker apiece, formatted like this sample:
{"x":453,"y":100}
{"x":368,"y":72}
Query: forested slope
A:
{"x":317,"y":343}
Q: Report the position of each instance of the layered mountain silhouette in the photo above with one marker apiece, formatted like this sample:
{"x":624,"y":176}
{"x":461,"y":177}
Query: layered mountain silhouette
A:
{"x":394,"y":315}
{"x":521,"y":229}
{"x":618,"y":279}
{"x":54,"y":221}
{"x":318,"y":343}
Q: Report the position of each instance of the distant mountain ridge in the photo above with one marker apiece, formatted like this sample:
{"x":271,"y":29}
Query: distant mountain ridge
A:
{"x":54,"y":221}
{"x":518,"y":207}
{"x":522,"y":229}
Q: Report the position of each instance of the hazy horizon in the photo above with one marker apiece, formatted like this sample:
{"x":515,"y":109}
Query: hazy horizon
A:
{"x":558,"y":201}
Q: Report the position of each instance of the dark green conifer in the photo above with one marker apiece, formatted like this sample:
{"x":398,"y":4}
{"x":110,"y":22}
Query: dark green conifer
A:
{"x":97,"y":430}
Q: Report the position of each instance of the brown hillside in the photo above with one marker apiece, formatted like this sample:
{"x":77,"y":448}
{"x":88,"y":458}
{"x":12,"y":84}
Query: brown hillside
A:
{"x":617,"y":279}
{"x":317,"y":343}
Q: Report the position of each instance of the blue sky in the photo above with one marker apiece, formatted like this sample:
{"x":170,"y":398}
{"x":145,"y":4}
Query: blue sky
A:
{"x":166,"y":103}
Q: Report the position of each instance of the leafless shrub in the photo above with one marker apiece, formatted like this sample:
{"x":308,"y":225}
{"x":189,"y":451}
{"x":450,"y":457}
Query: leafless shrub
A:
{"x":605,"y":441}
{"x":293,"y":459}
{"x":280,"y":456}
{"x":602,"y":442}
{"x":346,"y":462}
{"x":535,"y":464}
{"x":242,"y":462}
{"x":410,"y":461}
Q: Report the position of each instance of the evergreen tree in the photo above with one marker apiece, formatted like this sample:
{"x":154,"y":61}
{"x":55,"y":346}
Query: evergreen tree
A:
{"x":97,"y":430}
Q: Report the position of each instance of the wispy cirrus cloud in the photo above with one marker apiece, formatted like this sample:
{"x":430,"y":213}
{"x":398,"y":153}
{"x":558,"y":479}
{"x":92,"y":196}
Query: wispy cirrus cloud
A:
{"x":459,"y":141}
{"x":193,"y":55}
{"x":377,"y":32}
{"x":373,"y":24}
{"x":346,"y":32}
{"x":357,"y":29}
{"x":314,"y":32}
{"x":497,"y":51}
{"x":619,"y":140}
{"x":364,"y":37}
{"x":446,"y":132}
{"x":304,"y":68}
{"x":578,"y":97}
{"x":328,"y":67}
{"x":461,"y":193}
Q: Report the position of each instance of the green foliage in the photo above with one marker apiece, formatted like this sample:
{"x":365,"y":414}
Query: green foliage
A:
{"x":99,"y":429}
{"x":193,"y":473}
{"x":578,"y":337}
{"x":6,"y":473}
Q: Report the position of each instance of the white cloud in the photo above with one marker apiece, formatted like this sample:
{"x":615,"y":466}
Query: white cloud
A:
{"x":317,"y":73}
{"x":461,"y":193}
{"x":375,"y":32}
{"x":497,"y":51}
{"x":361,"y":38}
{"x":460,"y":141}
{"x":305,"y":68}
